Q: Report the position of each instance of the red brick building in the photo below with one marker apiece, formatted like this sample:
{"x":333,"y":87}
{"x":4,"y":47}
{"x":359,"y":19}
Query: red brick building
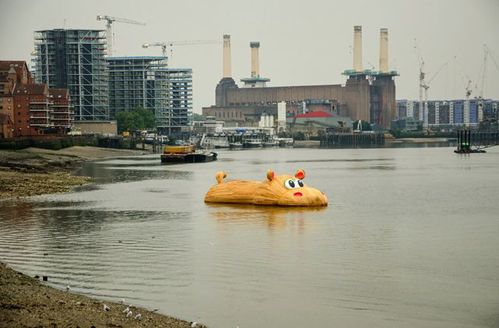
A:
{"x":33,"y":109}
{"x":62,"y":116}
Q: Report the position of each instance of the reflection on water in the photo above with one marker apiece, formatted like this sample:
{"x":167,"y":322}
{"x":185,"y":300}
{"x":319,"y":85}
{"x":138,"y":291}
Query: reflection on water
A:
{"x":273,"y":217}
{"x":409,"y":239}
{"x":130,"y":169}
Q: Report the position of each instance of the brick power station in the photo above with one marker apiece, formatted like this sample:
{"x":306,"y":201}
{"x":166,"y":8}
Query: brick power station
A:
{"x":367,"y":95}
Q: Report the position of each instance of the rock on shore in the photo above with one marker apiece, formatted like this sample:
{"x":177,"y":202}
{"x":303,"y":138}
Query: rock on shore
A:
{"x":26,"y":302}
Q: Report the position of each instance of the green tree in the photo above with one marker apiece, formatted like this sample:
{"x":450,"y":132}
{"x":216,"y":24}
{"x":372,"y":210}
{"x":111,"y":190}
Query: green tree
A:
{"x":137,"y":119}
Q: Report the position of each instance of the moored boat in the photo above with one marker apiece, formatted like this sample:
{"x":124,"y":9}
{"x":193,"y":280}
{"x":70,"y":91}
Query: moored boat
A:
{"x":252,"y":142}
{"x":186,"y":154}
{"x":235,"y":145}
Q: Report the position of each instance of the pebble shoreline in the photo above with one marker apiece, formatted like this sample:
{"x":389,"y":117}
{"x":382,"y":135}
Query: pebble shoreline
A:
{"x":28,"y":302}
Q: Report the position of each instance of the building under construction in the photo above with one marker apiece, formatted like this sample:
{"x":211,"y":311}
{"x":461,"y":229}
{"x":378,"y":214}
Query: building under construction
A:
{"x":147,"y":82}
{"x":137,"y":82}
{"x":367,"y":95}
{"x":74,"y":59}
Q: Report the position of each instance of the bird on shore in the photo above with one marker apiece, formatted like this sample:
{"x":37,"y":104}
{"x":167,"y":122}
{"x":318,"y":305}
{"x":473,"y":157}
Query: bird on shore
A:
{"x":126,"y":310}
{"x":106,"y":308}
{"x":68,"y":288}
{"x":194,"y":324}
{"x":122,"y":301}
{"x":129,"y":314}
{"x":138,"y":316}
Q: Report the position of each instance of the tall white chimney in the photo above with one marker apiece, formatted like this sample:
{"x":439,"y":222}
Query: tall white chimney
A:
{"x":255,"y":61}
{"x":226,"y":57}
{"x":383,"y":50}
{"x":357,"y":48}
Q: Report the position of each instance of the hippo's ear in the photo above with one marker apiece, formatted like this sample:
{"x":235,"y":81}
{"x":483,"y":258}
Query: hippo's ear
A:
{"x":220,"y":176}
{"x":300,"y":174}
{"x":270,"y":175}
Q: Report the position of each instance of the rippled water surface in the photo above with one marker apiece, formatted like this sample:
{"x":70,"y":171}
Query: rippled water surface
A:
{"x":410,"y":239}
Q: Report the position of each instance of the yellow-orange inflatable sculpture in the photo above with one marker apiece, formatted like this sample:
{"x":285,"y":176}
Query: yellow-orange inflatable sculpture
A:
{"x":281,"y":190}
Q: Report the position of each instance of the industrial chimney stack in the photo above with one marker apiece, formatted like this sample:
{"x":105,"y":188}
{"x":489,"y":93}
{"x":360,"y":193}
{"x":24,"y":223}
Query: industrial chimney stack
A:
{"x":383,"y":50}
{"x":255,"y":64}
{"x":357,"y":48}
{"x":255,"y":81}
{"x":226,"y":57}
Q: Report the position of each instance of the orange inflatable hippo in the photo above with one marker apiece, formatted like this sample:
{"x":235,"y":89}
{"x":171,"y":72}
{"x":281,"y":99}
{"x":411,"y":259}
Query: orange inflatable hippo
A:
{"x":280,"y":190}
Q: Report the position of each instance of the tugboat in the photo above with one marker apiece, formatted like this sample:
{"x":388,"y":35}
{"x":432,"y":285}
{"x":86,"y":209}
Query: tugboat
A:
{"x":186,"y":154}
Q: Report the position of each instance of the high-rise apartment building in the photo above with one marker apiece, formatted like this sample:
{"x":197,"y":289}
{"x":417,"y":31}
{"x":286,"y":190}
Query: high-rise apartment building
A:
{"x":137,"y":82}
{"x":180,"y":90}
{"x":74,"y":59}
{"x":147,"y":82}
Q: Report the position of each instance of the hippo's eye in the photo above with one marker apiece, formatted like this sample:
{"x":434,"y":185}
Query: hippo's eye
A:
{"x":300,"y":183}
{"x":290,"y":184}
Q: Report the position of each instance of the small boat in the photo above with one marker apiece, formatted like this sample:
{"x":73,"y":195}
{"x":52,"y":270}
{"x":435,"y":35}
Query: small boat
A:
{"x":252,"y":142}
{"x":271,"y":143}
{"x":235,"y":145}
{"x":285,"y":142}
{"x":186,"y":154}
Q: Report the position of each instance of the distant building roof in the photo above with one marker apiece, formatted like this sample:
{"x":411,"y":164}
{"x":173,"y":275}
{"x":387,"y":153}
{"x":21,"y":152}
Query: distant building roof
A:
{"x":5,"y":65}
{"x":315,"y":115}
{"x":59,"y":93}
{"x":30,"y":89}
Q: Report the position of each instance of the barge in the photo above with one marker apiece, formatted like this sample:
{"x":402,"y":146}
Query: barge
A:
{"x":186,"y":154}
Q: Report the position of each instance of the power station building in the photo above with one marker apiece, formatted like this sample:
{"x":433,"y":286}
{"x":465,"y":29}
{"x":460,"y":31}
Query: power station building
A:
{"x":367,"y":95}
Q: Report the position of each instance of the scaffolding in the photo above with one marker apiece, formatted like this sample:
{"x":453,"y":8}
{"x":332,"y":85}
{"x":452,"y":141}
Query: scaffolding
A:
{"x":137,"y":82}
{"x":147,"y":82}
{"x":74,"y":59}
{"x":180,"y":103}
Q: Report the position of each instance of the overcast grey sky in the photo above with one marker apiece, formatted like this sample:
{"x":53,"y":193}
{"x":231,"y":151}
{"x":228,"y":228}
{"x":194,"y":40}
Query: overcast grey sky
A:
{"x":302,"y":42}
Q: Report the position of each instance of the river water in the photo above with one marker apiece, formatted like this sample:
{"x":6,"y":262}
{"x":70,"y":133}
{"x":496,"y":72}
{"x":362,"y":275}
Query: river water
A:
{"x":410,"y":239}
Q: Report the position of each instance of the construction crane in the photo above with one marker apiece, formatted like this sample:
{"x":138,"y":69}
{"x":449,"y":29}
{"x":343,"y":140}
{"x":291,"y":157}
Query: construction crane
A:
{"x":468,"y":90}
{"x":465,"y":77}
{"x":169,"y":44}
{"x":109,"y":28}
{"x":427,"y":84}
{"x":422,"y":83}
{"x":487,"y":53}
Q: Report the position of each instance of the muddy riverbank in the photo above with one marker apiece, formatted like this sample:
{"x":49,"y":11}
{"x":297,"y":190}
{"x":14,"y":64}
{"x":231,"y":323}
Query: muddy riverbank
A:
{"x":27,"y":302}
{"x":35,"y":171}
